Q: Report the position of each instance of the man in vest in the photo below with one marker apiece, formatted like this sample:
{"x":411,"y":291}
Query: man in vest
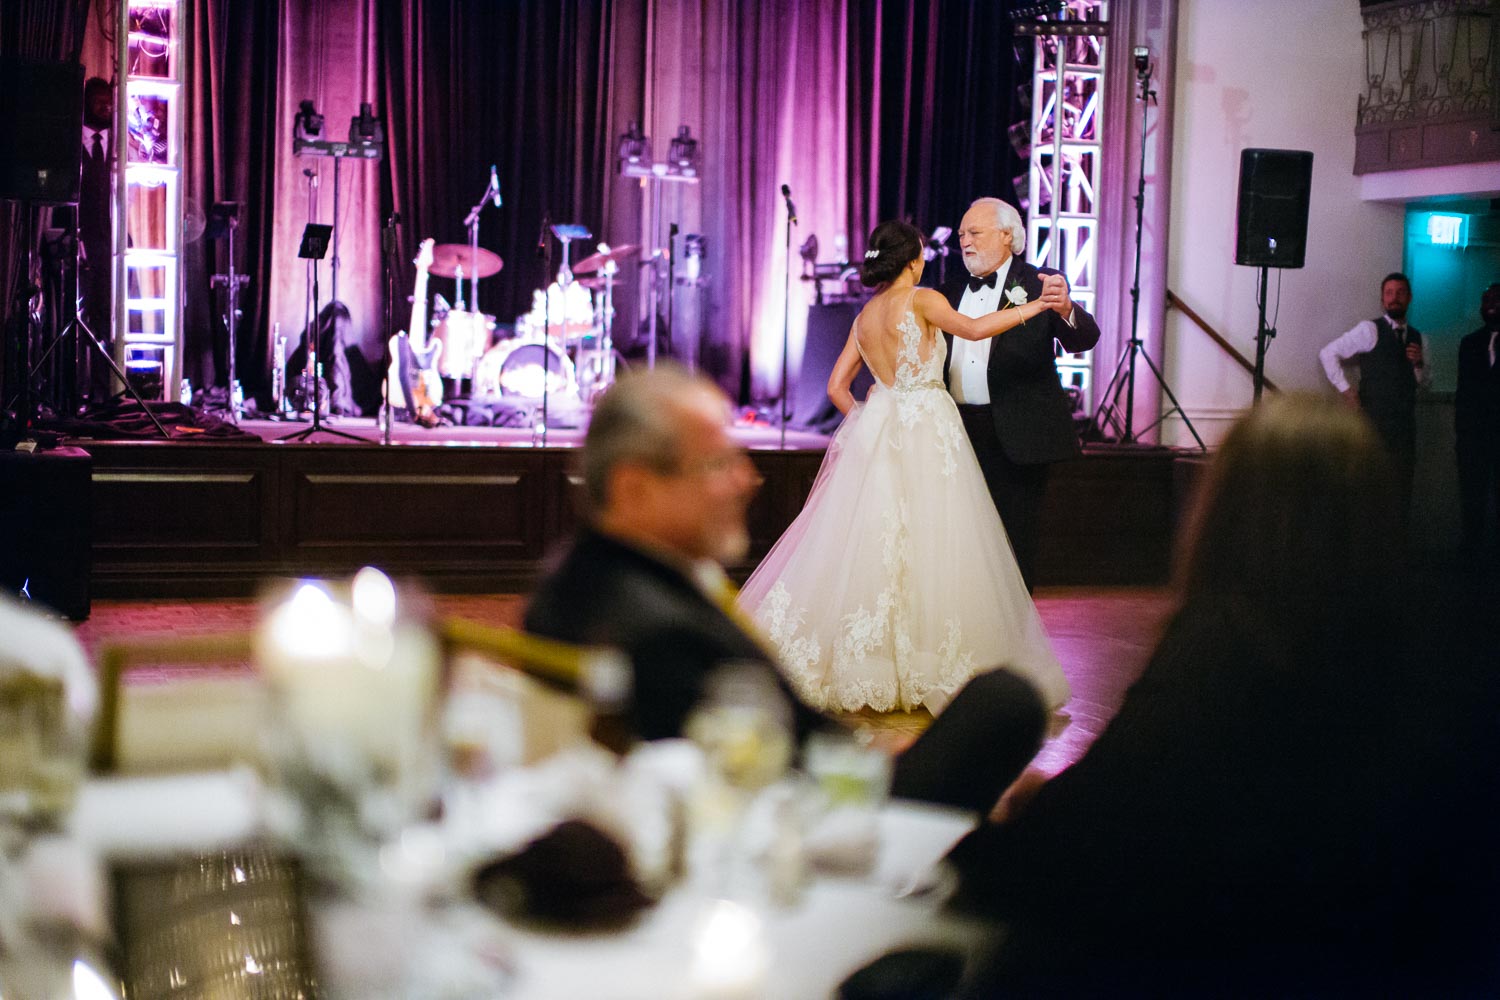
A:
{"x":1388,"y":355}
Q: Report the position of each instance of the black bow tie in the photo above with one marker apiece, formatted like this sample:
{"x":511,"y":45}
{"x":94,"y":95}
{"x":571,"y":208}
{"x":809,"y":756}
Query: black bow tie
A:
{"x":975,"y":284}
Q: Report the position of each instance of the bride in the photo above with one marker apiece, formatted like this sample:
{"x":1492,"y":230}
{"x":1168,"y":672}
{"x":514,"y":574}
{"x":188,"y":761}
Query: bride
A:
{"x":896,"y":583}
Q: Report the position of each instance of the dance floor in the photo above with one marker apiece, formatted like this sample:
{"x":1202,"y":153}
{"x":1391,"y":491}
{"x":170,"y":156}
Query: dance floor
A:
{"x":1102,"y":636}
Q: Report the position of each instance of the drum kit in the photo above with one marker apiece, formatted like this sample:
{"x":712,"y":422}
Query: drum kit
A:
{"x":562,"y":347}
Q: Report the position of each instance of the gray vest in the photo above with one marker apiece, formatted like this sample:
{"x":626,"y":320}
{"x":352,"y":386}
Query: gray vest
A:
{"x":1388,"y":386}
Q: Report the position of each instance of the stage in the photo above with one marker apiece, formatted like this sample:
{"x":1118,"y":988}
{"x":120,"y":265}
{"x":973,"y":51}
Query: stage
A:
{"x":462,"y":509}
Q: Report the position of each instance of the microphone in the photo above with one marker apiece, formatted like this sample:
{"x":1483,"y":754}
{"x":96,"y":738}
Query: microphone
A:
{"x":791,"y":210}
{"x":541,"y":240}
{"x":1412,"y":338}
{"x":495,"y":185}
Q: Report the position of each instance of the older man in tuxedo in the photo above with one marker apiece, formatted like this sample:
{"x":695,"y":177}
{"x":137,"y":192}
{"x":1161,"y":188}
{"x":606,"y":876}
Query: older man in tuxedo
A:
{"x":1008,"y":392}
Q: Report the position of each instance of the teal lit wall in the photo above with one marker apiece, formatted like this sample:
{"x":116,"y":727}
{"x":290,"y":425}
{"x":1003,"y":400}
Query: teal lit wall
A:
{"x":1447,"y":281}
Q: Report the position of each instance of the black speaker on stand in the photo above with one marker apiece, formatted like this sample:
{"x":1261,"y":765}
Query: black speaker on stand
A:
{"x":1271,"y":225}
{"x":41,"y":120}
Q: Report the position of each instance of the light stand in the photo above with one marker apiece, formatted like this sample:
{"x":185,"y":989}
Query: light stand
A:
{"x":314,"y":246}
{"x":683,"y":163}
{"x":786,"y":313}
{"x":26,"y":410}
{"x":223,"y":221}
{"x":1109,"y":400}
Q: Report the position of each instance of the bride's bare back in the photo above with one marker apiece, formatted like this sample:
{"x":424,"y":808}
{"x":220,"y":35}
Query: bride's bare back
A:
{"x":880,"y":327}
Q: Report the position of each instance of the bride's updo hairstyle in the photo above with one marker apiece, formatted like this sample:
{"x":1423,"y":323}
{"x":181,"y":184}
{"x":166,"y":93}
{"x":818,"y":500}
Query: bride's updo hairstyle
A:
{"x":891,"y":247}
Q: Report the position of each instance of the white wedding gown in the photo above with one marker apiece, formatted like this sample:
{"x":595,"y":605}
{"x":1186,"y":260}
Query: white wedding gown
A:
{"x":896,"y":583}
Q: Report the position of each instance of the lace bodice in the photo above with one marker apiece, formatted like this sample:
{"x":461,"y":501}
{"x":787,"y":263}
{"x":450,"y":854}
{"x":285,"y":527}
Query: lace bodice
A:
{"x":912,"y":373}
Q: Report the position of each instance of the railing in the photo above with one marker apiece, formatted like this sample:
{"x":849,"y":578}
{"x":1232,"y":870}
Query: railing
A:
{"x":1173,"y":302}
{"x":1429,"y":90}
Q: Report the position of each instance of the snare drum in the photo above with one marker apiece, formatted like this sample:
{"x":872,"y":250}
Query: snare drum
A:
{"x":465,"y":336}
{"x":515,"y":368}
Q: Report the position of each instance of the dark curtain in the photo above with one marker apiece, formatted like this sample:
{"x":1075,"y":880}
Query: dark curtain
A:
{"x":29,"y":29}
{"x":938,"y":84}
{"x":527,"y":86}
{"x":231,"y":117}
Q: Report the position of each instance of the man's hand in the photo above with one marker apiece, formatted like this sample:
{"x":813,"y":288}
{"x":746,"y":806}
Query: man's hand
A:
{"x":1351,"y":396}
{"x":1414,"y":354}
{"x":1019,"y":795}
{"x":1055,"y":294}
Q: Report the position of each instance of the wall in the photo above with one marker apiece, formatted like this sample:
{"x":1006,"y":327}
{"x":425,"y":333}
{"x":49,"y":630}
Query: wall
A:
{"x":1280,"y":74}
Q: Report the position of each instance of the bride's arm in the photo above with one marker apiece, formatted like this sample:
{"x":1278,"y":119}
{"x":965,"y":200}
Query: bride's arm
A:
{"x":844,"y":370}
{"x":934,"y":308}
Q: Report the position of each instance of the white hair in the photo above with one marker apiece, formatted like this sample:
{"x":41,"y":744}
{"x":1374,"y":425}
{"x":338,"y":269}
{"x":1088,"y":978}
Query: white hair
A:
{"x":1006,"y":217}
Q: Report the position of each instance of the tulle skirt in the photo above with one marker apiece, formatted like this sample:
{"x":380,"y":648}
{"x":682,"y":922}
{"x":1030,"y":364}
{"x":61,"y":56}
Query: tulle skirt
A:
{"x":896,"y":583}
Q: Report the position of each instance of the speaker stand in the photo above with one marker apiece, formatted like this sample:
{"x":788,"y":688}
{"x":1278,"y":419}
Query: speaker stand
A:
{"x":1263,"y":335}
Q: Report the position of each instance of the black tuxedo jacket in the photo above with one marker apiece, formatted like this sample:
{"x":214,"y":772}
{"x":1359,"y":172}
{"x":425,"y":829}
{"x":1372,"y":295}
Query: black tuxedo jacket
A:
{"x":607,"y":593}
{"x":1476,"y":404}
{"x":1033,"y":417}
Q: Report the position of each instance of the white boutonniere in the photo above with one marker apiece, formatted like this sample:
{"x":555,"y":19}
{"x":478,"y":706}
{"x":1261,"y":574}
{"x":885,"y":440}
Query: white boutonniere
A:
{"x":1016,"y":295}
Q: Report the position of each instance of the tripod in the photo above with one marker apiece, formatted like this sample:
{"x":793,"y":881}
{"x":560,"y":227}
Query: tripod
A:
{"x":314,"y":246}
{"x":26,"y":410}
{"x":1123,"y":379}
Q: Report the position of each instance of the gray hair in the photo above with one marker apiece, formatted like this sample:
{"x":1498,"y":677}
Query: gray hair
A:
{"x":637,"y":421}
{"x":1006,"y":217}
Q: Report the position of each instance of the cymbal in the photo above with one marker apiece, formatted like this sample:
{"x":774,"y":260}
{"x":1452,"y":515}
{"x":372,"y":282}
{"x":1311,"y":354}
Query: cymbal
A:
{"x":594,"y":262}
{"x":447,"y":258}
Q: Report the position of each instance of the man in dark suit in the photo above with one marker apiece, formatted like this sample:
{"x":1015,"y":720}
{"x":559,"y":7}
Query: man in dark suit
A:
{"x":668,"y":489}
{"x":94,"y":232}
{"x":1008,"y":392}
{"x":1476,"y":421}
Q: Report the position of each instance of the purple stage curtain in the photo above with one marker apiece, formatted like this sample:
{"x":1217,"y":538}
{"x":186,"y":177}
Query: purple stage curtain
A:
{"x":537,"y":88}
{"x":230,"y":113}
{"x":43,"y":30}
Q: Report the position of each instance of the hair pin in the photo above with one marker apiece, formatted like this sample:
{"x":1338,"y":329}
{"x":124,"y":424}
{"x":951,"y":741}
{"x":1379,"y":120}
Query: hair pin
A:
{"x":871,"y":254}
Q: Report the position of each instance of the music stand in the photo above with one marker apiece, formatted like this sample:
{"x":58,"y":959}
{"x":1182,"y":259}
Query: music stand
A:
{"x":315,"y":238}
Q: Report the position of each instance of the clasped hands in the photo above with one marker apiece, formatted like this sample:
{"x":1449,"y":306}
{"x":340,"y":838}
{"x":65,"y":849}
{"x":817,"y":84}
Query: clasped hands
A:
{"x":1055,"y":294}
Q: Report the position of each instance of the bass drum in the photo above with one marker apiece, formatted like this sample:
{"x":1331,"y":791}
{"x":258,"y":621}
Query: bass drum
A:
{"x":517,"y":368}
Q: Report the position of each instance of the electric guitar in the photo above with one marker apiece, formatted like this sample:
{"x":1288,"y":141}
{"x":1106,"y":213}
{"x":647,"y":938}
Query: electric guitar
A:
{"x":413,"y":377}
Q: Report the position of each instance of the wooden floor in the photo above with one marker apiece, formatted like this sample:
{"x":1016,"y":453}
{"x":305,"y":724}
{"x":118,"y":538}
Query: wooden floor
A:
{"x":1102,"y":636}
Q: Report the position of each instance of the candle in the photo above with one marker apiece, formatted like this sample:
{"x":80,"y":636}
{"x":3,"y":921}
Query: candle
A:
{"x":729,"y":954}
{"x":355,"y":686}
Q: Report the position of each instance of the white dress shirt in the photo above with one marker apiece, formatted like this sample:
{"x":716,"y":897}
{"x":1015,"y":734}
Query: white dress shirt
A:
{"x":88,"y":141}
{"x":1361,"y":340}
{"x":969,"y":362}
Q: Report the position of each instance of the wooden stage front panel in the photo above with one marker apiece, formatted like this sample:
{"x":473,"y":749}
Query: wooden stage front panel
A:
{"x":205,"y":519}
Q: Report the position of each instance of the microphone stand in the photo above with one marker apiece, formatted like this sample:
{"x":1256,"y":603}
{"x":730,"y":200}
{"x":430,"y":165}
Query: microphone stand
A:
{"x":387,"y":264}
{"x":545,"y":248}
{"x":786,"y":320}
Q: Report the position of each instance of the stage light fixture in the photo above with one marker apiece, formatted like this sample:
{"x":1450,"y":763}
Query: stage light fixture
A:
{"x":308,"y":124}
{"x":683,"y":153}
{"x":633,"y":149}
{"x":365,"y":127}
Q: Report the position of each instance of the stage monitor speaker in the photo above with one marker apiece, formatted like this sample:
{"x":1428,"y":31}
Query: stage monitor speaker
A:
{"x":1271,"y":227}
{"x":827,"y":332}
{"x":41,"y":130}
{"x":46,"y":528}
